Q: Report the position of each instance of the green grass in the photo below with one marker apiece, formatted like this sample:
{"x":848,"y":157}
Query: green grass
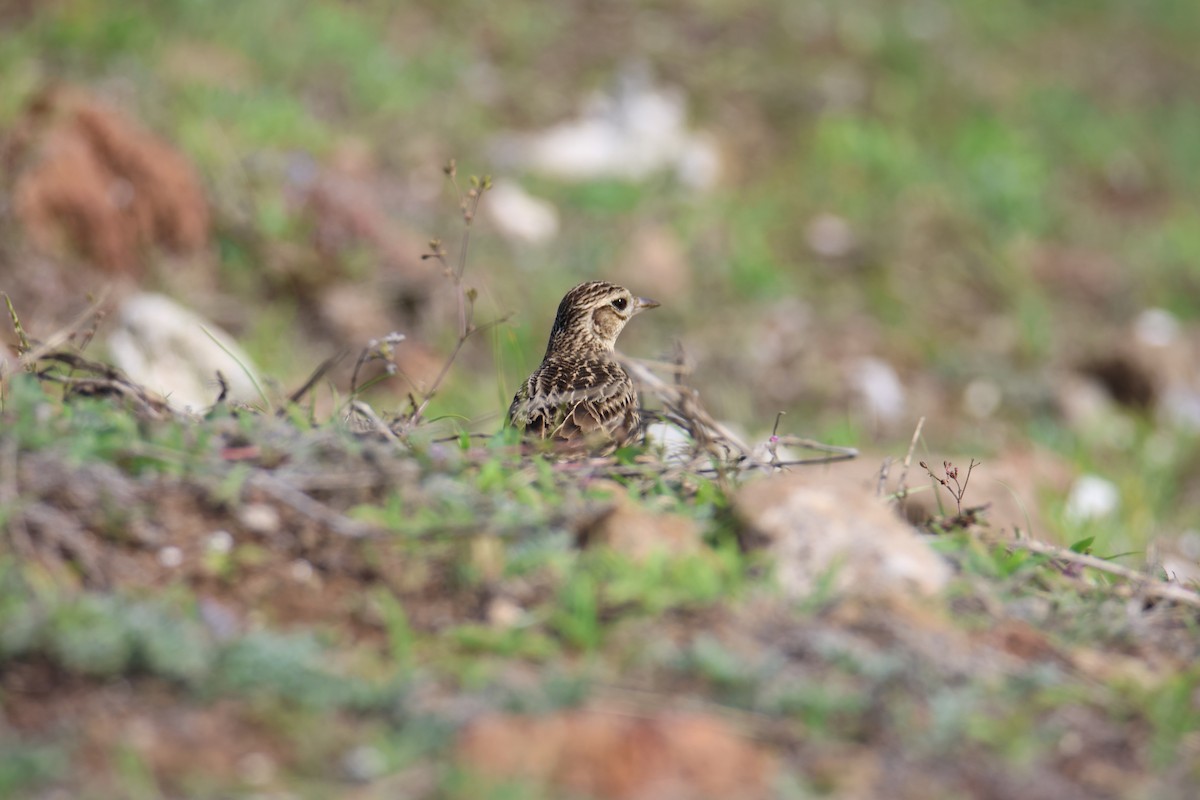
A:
{"x":686,"y":625}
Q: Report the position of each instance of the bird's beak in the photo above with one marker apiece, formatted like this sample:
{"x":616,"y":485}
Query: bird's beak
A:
{"x":642,"y":303}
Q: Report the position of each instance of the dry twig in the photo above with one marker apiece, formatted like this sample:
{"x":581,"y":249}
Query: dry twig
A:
{"x":682,"y":407}
{"x":363,"y":410}
{"x":1146,"y":584}
{"x":303,"y":504}
{"x":951,"y":483}
{"x":32,"y":352}
{"x":902,"y":484}
{"x":469,"y":206}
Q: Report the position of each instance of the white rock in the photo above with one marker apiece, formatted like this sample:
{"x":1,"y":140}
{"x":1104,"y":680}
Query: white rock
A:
{"x":364,"y":763}
{"x":674,"y":442}
{"x":633,"y":133}
{"x":220,"y":542}
{"x":879,"y":387}
{"x":820,"y":529}
{"x":698,"y":164}
{"x":982,"y":398}
{"x":1083,"y":401}
{"x":518,"y":215}
{"x":1180,"y":406}
{"x":170,"y":556}
{"x":1156,"y":327}
{"x":257,"y":768}
{"x":504,"y":613}
{"x":302,"y":571}
{"x":259,"y":518}
{"x":830,"y":236}
{"x":1179,"y":558}
{"x":171,"y":350}
{"x":761,"y":450}
{"x":1091,"y":497}
{"x":1189,"y":544}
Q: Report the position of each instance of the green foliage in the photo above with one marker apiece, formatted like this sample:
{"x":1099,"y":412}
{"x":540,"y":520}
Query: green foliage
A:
{"x":88,"y":430}
{"x":709,"y":658}
{"x":576,"y":614}
{"x":24,"y":766}
{"x":1083,"y":545}
{"x":109,"y":635}
{"x":135,"y":775}
{"x":102,"y":635}
{"x":24,"y":404}
{"x":89,"y":636}
{"x":275,"y":667}
{"x":509,"y":642}
{"x":84,"y":38}
{"x":1004,"y":173}
{"x":824,"y":710}
{"x":605,"y":197}
{"x":663,"y":581}
{"x":401,"y":638}
{"x":981,"y":558}
{"x":1174,"y":713}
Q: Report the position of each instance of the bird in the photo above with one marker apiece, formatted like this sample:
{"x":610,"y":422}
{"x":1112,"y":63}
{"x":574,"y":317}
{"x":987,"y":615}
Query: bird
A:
{"x":581,"y":399}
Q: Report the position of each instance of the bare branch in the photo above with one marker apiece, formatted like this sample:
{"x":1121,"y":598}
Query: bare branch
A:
{"x":1146,"y":584}
{"x":902,"y":484}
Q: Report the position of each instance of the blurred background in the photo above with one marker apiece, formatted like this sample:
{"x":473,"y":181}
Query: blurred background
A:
{"x":859,"y":212}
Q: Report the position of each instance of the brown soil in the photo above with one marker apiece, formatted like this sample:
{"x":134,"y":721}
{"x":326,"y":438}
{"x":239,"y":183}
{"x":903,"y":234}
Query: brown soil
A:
{"x":89,"y":180}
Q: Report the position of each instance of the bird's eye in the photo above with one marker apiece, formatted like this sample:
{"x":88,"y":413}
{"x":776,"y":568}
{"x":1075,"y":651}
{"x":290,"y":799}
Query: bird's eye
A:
{"x":620,"y":303}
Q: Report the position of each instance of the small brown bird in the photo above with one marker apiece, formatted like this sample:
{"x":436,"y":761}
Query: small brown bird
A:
{"x":581,"y":398}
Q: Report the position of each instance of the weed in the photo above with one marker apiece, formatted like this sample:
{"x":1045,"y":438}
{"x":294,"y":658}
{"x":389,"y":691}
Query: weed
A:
{"x":961,"y":519}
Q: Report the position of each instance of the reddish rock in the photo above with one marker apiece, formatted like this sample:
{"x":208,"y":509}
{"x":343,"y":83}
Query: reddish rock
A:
{"x":616,"y":755}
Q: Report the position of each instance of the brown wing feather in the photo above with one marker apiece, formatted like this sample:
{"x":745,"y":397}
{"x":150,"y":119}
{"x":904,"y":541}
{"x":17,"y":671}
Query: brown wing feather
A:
{"x":586,"y":400}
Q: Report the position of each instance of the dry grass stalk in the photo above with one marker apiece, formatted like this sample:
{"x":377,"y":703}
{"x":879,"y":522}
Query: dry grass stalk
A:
{"x":1144,"y":584}
{"x":283,"y":492}
{"x":714,"y":440}
{"x":100,"y":380}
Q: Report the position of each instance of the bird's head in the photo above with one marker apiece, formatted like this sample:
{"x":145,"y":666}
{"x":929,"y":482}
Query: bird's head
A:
{"x":591,"y":316}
